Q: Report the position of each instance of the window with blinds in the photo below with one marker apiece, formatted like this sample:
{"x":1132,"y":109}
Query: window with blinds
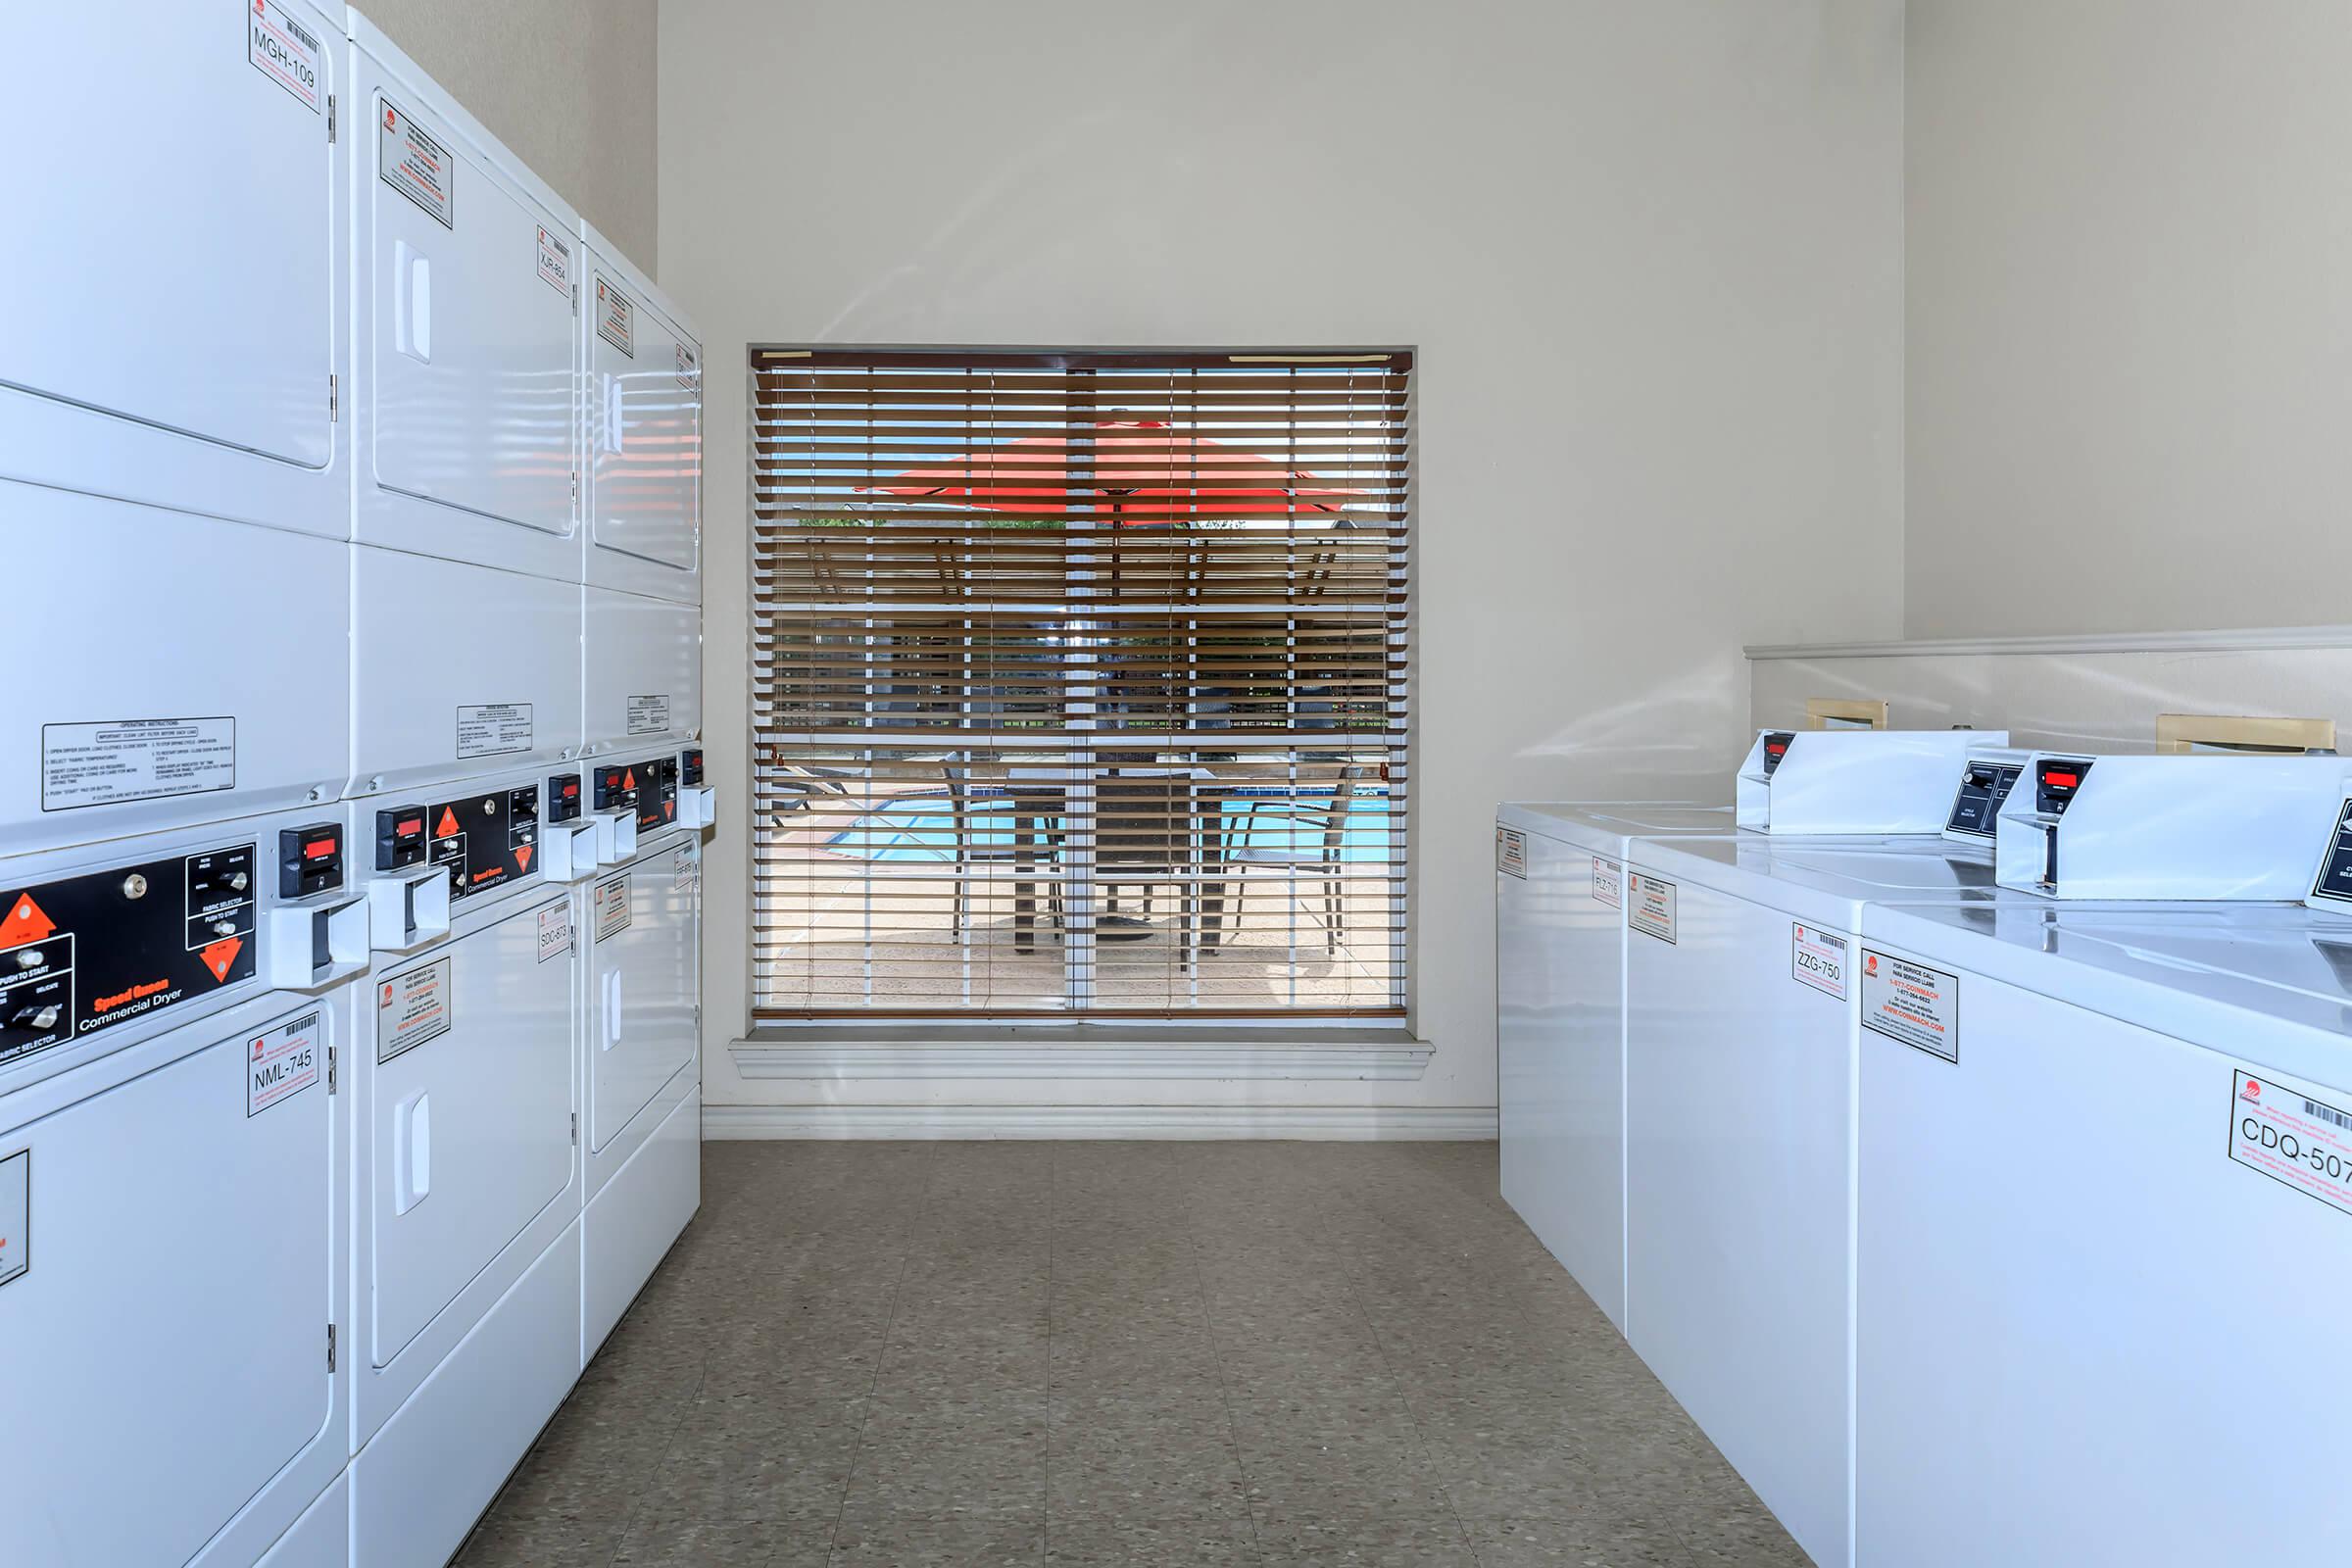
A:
{"x":1080,"y":683}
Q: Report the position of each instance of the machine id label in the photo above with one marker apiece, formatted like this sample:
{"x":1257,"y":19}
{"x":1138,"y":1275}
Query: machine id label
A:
{"x":1817,"y":958}
{"x":555,"y":930}
{"x":1608,"y":882}
{"x":1510,"y":852}
{"x":135,"y":759}
{"x":688,"y":877}
{"x":284,"y":50}
{"x":555,"y":262}
{"x":411,"y":1008}
{"x":16,"y":1215}
{"x":416,"y":164}
{"x":615,"y":318}
{"x":649,"y":716}
{"x":612,"y":907}
{"x":493,"y":729}
{"x":1650,"y":910}
{"x":280,"y":1065}
{"x":1911,"y":1002}
{"x":2293,"y":1138}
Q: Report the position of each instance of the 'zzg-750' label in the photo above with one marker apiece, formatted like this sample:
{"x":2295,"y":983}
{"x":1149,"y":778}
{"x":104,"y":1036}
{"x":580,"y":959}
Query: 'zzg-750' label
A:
{"x":2291,"y":1137}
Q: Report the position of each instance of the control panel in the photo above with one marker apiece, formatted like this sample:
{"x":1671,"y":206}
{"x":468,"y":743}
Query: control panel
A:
{"x":310,"y":860}
{"x":689,"y":768}
{"x":1776,"y":747}
{"x":2056,"y":780}
{"x":2333,"y":884}
{"x":1984,"y":786}
{"x":485,"y":840}
{"x":657,"y":793}
{"x":86,"y":952}
{"x":563,"y":801}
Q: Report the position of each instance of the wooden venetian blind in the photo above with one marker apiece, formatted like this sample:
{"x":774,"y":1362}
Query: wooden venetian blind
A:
{"x":1080,"y":682}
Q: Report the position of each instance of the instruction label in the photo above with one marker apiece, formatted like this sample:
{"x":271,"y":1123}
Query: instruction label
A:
{"x":411,"y":1008}
{"x":1911,"y":1002}
{"x":2293,"y":1138}
{"x":135,"y":759}
{"x":1608,"y":882}
{"x":615,"y":318}
{"x":1817,"y":958}
{"x":415,"y":163}
{"x":611,"y":906}
{"x":555,"y":930}
{"x":284,"y":50}
{"x":649,"y":716}
{"x":1510,"y":852}
{"x":280,"y":1065}
{"x":555,"y":262}
{"x":492,"y":729}
{"x":16,"y":1215}
{"x":1649,"y":907}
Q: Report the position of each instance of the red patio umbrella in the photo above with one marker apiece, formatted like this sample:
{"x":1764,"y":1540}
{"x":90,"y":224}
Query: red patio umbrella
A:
{"x":1163,"y":473}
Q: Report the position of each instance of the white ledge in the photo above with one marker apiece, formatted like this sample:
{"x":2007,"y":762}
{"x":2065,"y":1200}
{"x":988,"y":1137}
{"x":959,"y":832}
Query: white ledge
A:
{"x":1415,"y":1122}
{"x":2246,"y":640}
{"x":1079,"y":1053}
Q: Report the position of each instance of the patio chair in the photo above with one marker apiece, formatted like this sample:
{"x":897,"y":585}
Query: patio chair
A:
{"x":1009,"y":860}
{"x":1311,"y":841}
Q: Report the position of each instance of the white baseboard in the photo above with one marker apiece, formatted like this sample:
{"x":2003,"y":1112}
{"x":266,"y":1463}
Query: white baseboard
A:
{"x":1037,"y":1053}
{"x":1426,"y":1123}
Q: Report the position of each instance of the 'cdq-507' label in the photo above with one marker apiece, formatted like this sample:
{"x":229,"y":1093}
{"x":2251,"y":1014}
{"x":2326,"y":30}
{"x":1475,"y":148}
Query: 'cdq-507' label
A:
{"x":2292,"y":1137}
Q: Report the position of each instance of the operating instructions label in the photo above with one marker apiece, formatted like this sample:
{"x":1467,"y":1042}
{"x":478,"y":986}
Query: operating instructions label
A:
{"x":411,"y":1008}
{"x":493,"y":729}
{"x":1911,"y":1002}
{"x":135,"y":759}
{"x":1510,"y":852}
{"x":1817,"y":958}
{"x":2292,"y":1137}
{"x":649,"y":715}
{"x":1649,"y":906}
{"x":1608,"y":882}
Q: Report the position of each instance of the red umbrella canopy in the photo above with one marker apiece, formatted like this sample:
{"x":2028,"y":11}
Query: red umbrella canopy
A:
{"x":1145,"y":472}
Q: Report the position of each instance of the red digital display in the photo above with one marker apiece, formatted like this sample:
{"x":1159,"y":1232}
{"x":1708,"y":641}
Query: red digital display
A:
{"x":319,"y":850}
{"x":414,"y":824}
{"x":2064,"y":781}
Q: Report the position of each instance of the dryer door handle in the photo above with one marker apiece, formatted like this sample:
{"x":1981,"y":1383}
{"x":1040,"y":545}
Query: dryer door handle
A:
{"x":412,"y":1152}
{"x":611,"y":1008}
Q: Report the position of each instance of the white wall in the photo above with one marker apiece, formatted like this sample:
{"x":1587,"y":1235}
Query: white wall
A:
{"x":1651,"y":256}
{"x":568,"y":83}
{"x":2129,"y":315}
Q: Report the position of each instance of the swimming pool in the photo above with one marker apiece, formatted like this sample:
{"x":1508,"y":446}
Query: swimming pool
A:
{"x":922,"y":827}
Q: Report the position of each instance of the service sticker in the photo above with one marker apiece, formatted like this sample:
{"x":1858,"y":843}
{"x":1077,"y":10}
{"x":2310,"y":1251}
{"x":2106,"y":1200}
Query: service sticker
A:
{"x":1911,"y":1002}
{"x":414,"y":163}
{"x":411,"y":1008}
{"x":2293,"y":1138}
{"x":281,"y":1063}
{"x":1817,"y":958}
{"x":1651,"y":907}
{"x":1510,"y":852}
{"x":615,"y":318}
{"x":611,"y":906}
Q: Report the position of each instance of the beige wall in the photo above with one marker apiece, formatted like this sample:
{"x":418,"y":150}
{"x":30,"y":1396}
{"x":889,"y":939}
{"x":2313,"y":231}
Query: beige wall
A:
{"x":2130,"y":241}
{"x":568,"y":84}
{"x":1650,"y":254}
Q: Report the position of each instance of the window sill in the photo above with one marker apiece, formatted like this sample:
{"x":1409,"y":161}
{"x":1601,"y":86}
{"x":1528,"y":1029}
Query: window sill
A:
{"x":1115,"y":1050}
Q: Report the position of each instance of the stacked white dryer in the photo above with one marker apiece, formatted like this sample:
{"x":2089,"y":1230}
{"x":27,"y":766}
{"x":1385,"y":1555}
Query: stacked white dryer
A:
{"x":642,"y":698}
{"x":178,"y":933}
{"x":305,"y":914}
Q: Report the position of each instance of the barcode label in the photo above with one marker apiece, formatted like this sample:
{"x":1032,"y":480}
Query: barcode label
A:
{"x":2328,"y":1114}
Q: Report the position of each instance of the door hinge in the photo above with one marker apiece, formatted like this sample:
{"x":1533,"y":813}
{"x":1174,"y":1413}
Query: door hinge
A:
{"x":331,"y":1069}
{"x":330,"y":117}
{"x":330,"y":1347}
{"x":575,"y":299}
{"x":576,"y":484}
{"x":334,"y":398}
{"x":576,"y":1126}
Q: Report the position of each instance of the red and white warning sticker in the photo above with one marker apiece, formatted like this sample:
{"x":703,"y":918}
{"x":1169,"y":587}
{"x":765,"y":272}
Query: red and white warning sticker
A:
{"x":616,"y":319}
{"x":2291,"y":1136}
{"x":411,"y":1008}
{"x":1911,"y":1002}
{"x":413,"y":161}
{"x":281,"y":1063}
{"x":282,"y":49}
{"x":1651,"y":910}
{"x":1510,"y":852}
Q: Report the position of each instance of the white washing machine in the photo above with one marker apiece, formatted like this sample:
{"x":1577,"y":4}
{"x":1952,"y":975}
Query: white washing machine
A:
{"x":465,"y":583}
{"x":178,"y":334}
{"x":1854,"y":780}
{"x":642,"y":498}
{"x":174,"y":1158}
{"x":1559,"y":982}
{"x":466,"y":1246}
{"x":640,"y":1057}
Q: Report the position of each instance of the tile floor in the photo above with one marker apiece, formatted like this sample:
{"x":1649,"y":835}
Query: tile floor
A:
{"x":1165,"y":1355}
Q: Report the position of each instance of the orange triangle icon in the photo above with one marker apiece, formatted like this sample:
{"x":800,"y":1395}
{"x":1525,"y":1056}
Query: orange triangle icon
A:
{"x":522,"y":857}
{"x":447,"y":827}
{"x":25,"y":922}
{"x":220,"y":955}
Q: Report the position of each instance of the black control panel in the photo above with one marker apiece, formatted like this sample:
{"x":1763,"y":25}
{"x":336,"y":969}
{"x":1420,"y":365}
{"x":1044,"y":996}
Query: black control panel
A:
{"x":486,"y":840}
{"x":2056,"y":779}
{"x":310,"y":860}
{"x":615,"y":786}
{"x":563,"y":801}
{"x":87,"y":952}
{"x":689,"y":768}
{"x":1776,"y":747}
{"x":2334,"y":882}
{"x":1984,"y":786}
{"x":399,"y":837}
{"x":657,"y":793}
